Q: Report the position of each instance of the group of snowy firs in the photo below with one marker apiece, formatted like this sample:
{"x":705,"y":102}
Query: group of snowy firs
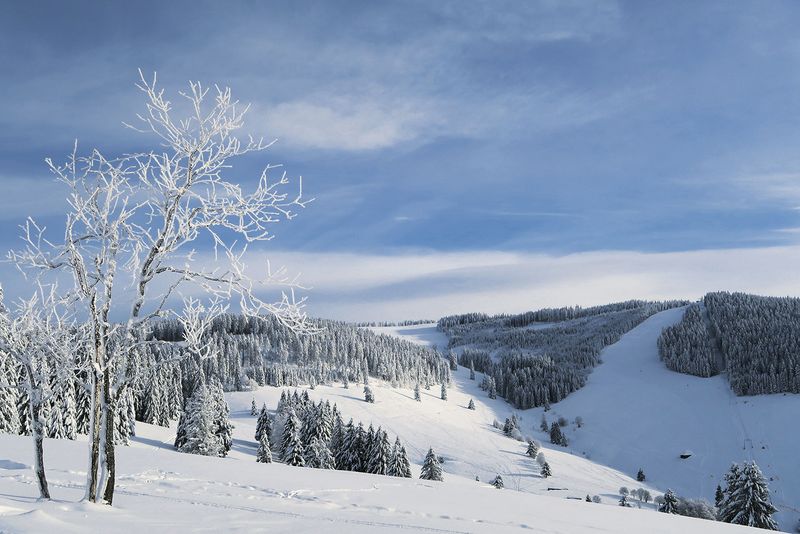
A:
{"x":535,"y":366}
{"x":246,"y":352}
{"x":306,"y":435}
{"x":755,"y":339}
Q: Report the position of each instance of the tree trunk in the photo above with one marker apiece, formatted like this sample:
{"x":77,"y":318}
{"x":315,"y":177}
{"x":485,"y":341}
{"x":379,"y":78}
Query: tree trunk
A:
{"x":38,"y":438}
{"x":110,"y":458}
{"x":94,"y":440}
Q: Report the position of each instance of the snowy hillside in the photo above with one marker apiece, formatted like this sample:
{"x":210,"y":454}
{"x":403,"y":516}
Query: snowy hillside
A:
{"x":160,"y":490}
{"x":638,"y":414}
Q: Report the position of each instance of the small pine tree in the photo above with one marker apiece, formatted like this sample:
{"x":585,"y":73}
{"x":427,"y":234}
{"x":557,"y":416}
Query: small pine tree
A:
{"x":640,"y":475}
{"x":453,"y":361}
{"x":264,"y":452}
{"x":399,"y":465}
{"x":471,"y":405}
{"x":417,"y":395}
{"x":318,"y":455}
{"x":368,"y":395}
{"x":670,"y":503}
{"x":556,"y":436}
{"x":291,"y":444}
{"x":444,"y":391}
{"x":498,"y":482}
{"x":747,"y":501}
{"x":719,"y":496}
{"x":431,"y":470}
{"x":588,"y":498}
{"x":253,"y":409}
{"x":545,"y":472}
{"x":543,"y":425}
{"x":533,"y":449}
{"x":263,"y":424}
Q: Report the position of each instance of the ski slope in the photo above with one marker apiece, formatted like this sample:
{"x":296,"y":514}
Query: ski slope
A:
{"x":638,"y":414}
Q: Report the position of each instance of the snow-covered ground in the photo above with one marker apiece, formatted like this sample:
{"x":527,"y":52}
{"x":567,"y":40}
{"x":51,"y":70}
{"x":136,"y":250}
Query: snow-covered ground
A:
{"x":638,"y":414}
{"x":160,"y":490}
{"x":163,"y":491}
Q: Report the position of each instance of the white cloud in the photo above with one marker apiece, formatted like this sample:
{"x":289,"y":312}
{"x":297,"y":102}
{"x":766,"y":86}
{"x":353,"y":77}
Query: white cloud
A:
{"x":415,"y":285}
{"x":350,"y":124}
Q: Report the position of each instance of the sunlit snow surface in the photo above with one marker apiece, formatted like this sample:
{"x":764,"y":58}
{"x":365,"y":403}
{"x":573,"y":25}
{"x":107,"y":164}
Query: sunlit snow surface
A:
{"x":160,"y":490}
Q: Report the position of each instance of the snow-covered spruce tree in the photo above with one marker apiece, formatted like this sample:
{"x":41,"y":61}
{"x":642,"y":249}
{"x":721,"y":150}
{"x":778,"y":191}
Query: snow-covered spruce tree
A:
{"x":61,"y":423}
{"x":198,"y":429}
{"x":124,"y":419}
{"x":9,"y":417}
{"x":719,"y":496}
{"x":431,"y":470}
{"x":380,"y":454}
{"x":253,"y":408}
{"x":451,"y":357}
{"x":545,"y":470}
{"x":223,"y":428}
{"x":640,"y":475}
{"x":292,"y":447}
{"x":318,"y":455}
{"x":471,"y":370}
{"x":498,"y":482}
{"x":368,"y":395}
{"x":471,"y":405}
{"x":556,"y":436}
{"x":264,"y":452}
{"x":533,"y":449}
{"x":38,"y":335}
{"x":133,"y":221}
{"x":399,"y":465}
{"x":263,"y":424}
{"x":669,"y":504}
{"x":444,"y":391}
{"x":747,"y":502}
{"x":417,"y":395}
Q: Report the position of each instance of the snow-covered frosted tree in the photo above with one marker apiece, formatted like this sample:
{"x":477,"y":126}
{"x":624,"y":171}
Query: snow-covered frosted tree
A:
{"x":253,"y":408}
{"x":263,"y":424}
{"x":498,"y":482}
{"x":556,"y":436}
{"x":533,"y":449}
{"x":264,"y":452}
{"x":292,"y":446}
{"x":640,"y":475}
{"x":318,"y":456}
{"x":669,"y":504}
{"x":198,"y":428}
{"x":471,"y":405}
{"x":719,"y":496}
{"x":545,"y":470}
{"x":444,"y":391}
{"x":38,"y":335}
{"x":380,"y":454}
{"x":9,"y":416}
{"x":133,"y":221}
{"x":471,"y":370}
{"x":431,"y":470}
{"x":369,"y":396}
{"x":399,"y":465}
{"x":747,"y":500}
{"x":417,"y":395}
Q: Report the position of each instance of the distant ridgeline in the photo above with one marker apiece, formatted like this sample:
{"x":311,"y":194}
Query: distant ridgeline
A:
{"x":756,"y":339}
{"x":540,"y":357}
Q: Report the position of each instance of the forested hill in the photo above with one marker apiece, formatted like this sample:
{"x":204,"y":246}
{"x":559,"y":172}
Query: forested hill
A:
{"x":755,"y":339}
{"x":537,"y":358}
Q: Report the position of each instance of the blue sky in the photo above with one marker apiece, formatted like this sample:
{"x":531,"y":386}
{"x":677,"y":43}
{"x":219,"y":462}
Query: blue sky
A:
{"x":435,"y":135}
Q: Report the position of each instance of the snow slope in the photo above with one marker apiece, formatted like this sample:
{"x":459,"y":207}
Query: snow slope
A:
{"x":637,"y":413}
{"x":160,"y":490}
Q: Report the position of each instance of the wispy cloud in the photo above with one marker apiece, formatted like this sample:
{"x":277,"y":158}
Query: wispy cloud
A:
{"x":430,"y":284}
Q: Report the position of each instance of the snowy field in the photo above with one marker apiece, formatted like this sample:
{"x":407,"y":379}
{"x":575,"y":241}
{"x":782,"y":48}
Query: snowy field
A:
{"x":638,"y":414}
{"x":161,"y":490}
